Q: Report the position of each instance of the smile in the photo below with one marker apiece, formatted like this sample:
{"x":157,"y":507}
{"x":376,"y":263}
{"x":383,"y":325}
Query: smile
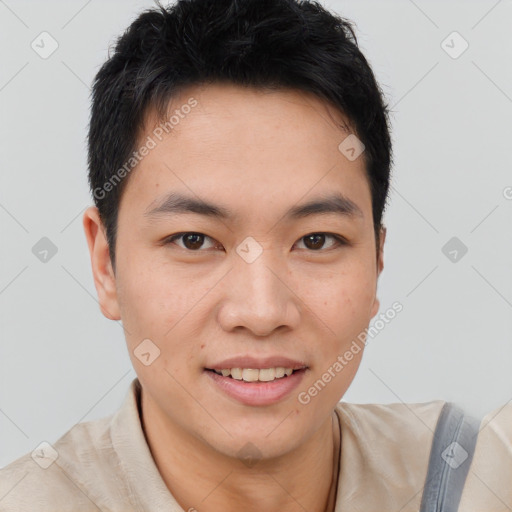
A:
{"x":254,"y":374}
{"x":256,"y":387}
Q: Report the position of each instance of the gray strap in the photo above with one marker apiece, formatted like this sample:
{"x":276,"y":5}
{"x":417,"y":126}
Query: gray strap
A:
{"x":450,"y":458}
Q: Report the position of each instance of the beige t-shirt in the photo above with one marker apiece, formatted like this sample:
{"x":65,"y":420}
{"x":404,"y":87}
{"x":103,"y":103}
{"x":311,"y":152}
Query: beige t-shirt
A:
{"x":106,"y":464}
{"x":489,"y":482}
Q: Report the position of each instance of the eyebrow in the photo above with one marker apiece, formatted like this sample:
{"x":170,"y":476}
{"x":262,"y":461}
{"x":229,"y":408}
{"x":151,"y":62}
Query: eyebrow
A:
{"x":176,"y":203}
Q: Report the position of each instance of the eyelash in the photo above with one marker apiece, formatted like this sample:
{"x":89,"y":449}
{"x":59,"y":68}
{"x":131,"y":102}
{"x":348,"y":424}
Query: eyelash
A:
{"x":340,"y":241}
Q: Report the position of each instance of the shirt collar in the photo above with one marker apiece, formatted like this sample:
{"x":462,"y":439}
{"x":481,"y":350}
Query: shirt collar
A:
{"x":147,"y":488}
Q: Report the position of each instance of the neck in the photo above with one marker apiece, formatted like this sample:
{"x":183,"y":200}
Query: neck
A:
{"x":200,"y":478}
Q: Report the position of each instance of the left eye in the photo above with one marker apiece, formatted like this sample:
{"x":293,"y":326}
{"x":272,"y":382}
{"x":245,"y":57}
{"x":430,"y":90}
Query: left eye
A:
{"x":318,"y":239}
{"x":314,"y":241}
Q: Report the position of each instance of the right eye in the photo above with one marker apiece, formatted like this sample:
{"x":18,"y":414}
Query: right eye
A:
{"x":191,"y":241}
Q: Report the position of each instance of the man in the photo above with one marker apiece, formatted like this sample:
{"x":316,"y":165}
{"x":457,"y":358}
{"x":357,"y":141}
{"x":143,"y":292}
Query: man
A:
{"x":239,"y":159}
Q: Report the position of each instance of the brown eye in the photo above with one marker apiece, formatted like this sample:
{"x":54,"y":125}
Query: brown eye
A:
{"x":315,"y":241}
{"x":190,"y":241}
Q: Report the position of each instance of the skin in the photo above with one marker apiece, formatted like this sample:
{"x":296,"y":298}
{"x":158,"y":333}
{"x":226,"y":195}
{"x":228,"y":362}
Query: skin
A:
{"x":257,"y":153}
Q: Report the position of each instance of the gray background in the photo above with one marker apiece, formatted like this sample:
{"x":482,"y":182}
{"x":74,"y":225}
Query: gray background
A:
{"x":62,"y":362}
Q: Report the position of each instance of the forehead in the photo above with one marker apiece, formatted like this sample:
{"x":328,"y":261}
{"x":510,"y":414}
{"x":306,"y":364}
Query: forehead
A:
{"x":231,"y":102}
{"x":247,"y":146}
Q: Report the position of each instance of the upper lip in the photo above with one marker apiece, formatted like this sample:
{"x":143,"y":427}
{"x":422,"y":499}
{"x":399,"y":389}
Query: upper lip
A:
{"x":257,"y":363}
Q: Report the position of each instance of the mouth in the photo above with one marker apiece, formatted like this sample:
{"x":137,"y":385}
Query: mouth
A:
{"x":255,"y":374}
{"x":264,"y":385}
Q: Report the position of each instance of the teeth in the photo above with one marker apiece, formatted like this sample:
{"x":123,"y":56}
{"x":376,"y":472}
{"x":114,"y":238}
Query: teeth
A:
{"x":267,"y":374}
{"x":255,"y":375}
{"x":236,"y":373}
{"x":250,"y":375}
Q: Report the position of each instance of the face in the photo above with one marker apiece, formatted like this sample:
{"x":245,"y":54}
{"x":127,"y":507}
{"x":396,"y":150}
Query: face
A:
{"x":256,"y":281}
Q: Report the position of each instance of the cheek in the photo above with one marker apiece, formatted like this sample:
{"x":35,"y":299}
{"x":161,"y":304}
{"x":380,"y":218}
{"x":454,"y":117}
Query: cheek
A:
{"x":345,"y":313}
{"x":157,"y":305}
{"x":148,"y":301}
{"x":344,"y":301}
{"x":346,"y":310}
{"x":145,"y":285}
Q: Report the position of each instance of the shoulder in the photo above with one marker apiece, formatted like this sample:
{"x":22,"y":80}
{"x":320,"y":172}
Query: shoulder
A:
{"x":395,"y":421}
{"x":488,"y":485}
{"x":385,"y":449}
{"x":48,"y":479}
{"x":498,"y":424}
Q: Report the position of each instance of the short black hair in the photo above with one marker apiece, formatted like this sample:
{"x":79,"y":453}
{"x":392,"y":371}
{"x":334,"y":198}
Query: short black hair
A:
{"x":267,"y":44}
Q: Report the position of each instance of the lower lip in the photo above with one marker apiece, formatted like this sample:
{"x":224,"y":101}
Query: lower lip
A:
{"x":257,"y":393}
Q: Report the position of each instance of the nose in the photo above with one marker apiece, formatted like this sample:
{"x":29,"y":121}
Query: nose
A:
{"x":258,"y":297}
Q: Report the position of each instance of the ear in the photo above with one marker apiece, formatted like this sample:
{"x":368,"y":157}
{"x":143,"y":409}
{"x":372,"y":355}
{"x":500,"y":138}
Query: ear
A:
{"x":103,"y":274}
{"x":380,"y":266}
